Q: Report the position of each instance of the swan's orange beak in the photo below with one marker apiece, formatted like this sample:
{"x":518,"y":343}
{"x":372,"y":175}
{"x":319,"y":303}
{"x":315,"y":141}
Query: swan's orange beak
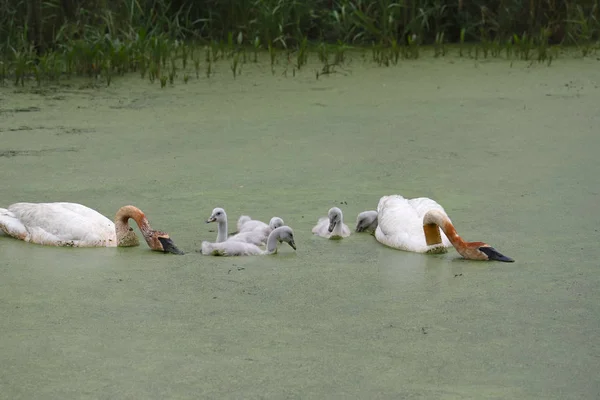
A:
{"x":168,"y":246}
{"x":495,"y":255}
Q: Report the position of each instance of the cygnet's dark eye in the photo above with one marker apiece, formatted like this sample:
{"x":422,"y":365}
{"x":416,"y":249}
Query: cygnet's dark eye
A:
{"x":219,"y":213}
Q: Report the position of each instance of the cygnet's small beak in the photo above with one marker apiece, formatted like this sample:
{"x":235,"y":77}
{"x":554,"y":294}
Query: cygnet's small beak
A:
{"x":495,"y":255}
{"x":358,"y":228}
{"x":211,"y":219}
{"x":331,"y":226}
{"x":291,"y":243}
{"x":169,"y":246}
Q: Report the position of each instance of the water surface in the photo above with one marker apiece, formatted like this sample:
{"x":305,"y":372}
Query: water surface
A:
{"x":511,"y":153}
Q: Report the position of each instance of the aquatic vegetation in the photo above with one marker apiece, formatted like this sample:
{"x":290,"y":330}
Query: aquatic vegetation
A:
{"x":462,"y":41}
{"x":302,"y":53}
{"x":257,"y":48}
{"x":272,"y":56}
{"x":584,"y":27}
{"x":235,"y":65}
{"x":440,"y":49}
{"x":155,"y":38}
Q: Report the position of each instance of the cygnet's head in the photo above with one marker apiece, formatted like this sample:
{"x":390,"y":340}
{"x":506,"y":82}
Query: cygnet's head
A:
{"x":285,"y":234}
{"x":218,"y":215}
{"x":335,"y":217}
{"x":275,"y":223}
{"x":365,"y":219}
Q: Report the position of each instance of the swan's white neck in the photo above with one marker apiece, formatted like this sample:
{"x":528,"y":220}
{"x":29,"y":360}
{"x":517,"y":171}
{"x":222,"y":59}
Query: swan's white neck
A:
{"x":222,"y":231}
{"x":272,"y":242}
{"x":337,"y":229}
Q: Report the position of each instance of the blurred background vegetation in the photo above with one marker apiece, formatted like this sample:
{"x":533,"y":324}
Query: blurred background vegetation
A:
{"x":80,"y":30}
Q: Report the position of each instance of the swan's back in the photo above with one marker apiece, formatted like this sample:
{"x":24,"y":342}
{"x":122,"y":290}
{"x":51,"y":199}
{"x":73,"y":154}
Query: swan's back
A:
{"x":246,"y":224}
{"x":400,"y":223}
{"x":59,"y":224}
{"x":257,"y":237}
{"x":230,"y":248}
{"x":241,"y":221}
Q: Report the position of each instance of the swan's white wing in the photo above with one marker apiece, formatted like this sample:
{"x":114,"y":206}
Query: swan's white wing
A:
{"x":400,"y":223}
{"x":64,"y":224}
{"x":322,"y":226}
{"x":423,"y":204}
{"x":251,"y":225}
{"x":346,"y":230}
{"x":230,"y":249}
{"x":256,"y":237}
{"x":241,"y":221}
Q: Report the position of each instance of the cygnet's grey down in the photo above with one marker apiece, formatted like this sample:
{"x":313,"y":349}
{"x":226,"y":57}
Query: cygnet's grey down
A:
{"x":245,"y":223}
{"x":238,"y":248}
{"x":366,"y":221}
{"x":332,"y":226}
{"x":220,"y":217}
{"x":259,"y":234}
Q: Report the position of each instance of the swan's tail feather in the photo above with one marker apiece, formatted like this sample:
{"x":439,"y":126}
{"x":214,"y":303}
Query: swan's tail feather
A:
{"x":206,"y":248}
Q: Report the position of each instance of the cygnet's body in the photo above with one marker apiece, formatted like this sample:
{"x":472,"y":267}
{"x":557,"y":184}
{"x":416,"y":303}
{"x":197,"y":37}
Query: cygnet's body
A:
{"x":332,"y":226}
{"x":259,"y":234}
{"x":246,"y":223}
{"x":366,"y":221}
{"x":239,"y":248}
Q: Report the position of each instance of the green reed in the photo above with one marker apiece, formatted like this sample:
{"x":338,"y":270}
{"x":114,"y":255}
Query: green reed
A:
{"x":157,"y":38}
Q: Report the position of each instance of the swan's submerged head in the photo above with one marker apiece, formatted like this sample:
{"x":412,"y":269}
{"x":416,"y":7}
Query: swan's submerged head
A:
{"x":494,"y":255}
{"x":366,"y":220}
{"x":218,"y":215}
{"x":275,"y":223}
{"x":165,"y":243}
{"x":335,"y":217}
{"x":285,"y":234}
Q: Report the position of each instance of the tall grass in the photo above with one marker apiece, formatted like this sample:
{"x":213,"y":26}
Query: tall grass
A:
{"x":100,"y":38}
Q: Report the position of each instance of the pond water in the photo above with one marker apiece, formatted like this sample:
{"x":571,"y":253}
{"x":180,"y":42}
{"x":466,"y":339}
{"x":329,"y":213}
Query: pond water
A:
{"x":510,"y":152}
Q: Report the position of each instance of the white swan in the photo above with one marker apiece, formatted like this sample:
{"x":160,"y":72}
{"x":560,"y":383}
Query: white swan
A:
{"x":238,"y":248}
{"x":75,"y":225}
{"x":219,"y":216}
{"x":366,"y":221}
{"x":400,"y":224}
{"x":258,"y":235}
{"x":332,"y":226}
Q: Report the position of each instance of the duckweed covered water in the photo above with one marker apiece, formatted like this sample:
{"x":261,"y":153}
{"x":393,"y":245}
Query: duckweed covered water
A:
{"x":511,"y":153}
